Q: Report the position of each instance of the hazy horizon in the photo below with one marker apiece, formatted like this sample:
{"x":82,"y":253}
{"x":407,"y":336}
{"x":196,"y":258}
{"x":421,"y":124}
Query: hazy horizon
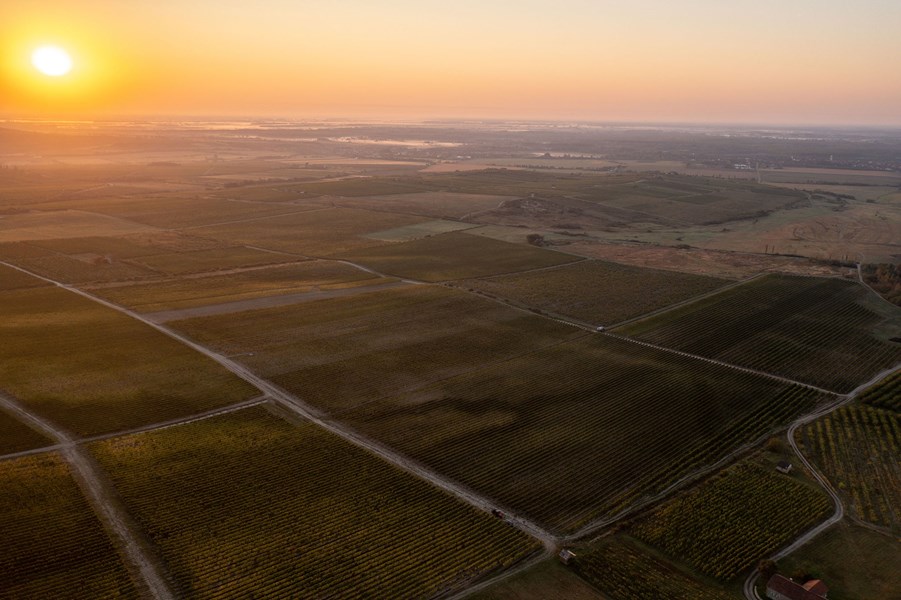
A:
{"x":802,"y":64}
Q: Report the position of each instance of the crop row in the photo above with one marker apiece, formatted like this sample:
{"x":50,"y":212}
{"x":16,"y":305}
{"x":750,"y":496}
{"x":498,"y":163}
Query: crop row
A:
{"x":624,"y":572}
{"x":53,"y":545}
{"x":248,"y":503}
{"x":93,"y":370}
{"x":597,"y":291}
{"x":15,"y":436}
{"x":885,"y":395}
{"x":813,"y":330}
{"x":733,"y":520}
{"x":857,"y":447}
{"x":582,"y":429}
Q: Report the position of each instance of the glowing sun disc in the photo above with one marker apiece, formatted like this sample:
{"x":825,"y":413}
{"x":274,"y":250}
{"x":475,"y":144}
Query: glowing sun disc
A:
{"x":52,"y":61}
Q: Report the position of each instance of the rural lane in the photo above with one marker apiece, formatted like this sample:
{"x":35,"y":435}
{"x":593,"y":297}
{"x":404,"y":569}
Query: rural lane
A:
{"x":100,"y":497}
{"x":749,"y":589}
{"x":297,"y":406}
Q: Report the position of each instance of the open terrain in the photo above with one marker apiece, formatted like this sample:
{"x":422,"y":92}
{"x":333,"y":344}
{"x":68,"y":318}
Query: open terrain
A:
{"x":336,"y":521}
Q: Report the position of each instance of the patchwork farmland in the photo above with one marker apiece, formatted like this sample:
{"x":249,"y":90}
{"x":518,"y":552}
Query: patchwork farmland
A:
{"x":283,"y":374}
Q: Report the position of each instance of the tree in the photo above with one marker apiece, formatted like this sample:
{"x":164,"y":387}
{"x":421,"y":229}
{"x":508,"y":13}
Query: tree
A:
{"x":536,"y":239}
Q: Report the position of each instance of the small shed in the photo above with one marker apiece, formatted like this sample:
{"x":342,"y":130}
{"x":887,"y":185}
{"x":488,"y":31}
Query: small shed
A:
{"x":566,"y":556}
{"x":784,"y":467}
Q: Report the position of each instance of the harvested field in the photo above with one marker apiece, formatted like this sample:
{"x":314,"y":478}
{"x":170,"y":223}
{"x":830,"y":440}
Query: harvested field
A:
{"x":341,"y":352}
{"x":810,"y":329}
{"x":594,"y":291}
{"x":455,"y":255}
{"x":186,"y":292}
{"x":336,"y":521}
{"x":320,"y":232}
{"x":53,"y":545}
{"x":580,"y":430}
{"x":93,"y":370}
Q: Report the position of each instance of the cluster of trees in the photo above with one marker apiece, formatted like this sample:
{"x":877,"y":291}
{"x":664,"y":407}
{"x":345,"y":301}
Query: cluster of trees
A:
{"x":885,"y":278}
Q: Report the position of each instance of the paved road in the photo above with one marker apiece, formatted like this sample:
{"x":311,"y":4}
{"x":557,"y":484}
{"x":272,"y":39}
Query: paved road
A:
{"x":97,"y":493}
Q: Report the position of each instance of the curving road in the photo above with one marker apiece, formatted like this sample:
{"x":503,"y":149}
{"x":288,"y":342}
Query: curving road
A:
{"x":749,"y":589}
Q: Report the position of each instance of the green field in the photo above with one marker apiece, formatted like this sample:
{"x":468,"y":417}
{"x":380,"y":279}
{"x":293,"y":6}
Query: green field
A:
{"x":431,"y":204}
{"x":625,"y":571}
{"x":733,"y":520}
{"x":858,"y":447}
{"x":810,"y":329}
{"x":53,"y":545}
{"x":15,"y":436}
{"x":336,"y":521}
{"x":321,"y":232}
{"x":455,"y":255}
{"x":93,"y":370}
{"x":305,"y":276}
{"x":596,"y":291}
{"x":853,"y":561}
{"x":577,"y":431}
{"x":338,"y":353}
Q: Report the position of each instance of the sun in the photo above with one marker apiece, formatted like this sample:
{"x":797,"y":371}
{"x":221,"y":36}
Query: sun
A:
{"x":52,"y":61}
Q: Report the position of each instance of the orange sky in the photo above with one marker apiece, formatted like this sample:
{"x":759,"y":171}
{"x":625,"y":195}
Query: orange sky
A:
{"x":788,"y":61}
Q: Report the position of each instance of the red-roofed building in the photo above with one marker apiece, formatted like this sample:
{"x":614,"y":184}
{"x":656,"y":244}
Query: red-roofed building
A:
{"x":783,"y":588}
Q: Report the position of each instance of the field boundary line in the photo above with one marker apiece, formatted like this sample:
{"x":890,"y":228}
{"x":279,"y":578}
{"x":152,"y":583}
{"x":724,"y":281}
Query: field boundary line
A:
{"x":749,"y":588}
{"x":116,"y":523}
{"x":301,"y":408}
{"x":688,"y":301}
{"x":720,"y":363}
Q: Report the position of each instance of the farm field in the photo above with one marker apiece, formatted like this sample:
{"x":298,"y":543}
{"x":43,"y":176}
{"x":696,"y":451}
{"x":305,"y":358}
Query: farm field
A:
{"x":549,"y":579}
{"x":854,"y":561}
{"x":53,"y":545}
{"x":234,"y":257}
{"x":596,"y":291}
{"x":733,"y":520}
{"x":809,"y":329}
{"x":887,"y":394}
{"x":213,"y":288}
{"x":581,"y":430}
{"x":320,"y":232}
{"x":857,"y":448}
{"x":336,"y":521}
{"x":16,"y":436}
{"x":713,"y":263}
{"x":431,"y":204}
{"x":341,"y":352}
{"x":625,"y":571}
{"x":694,"y":200}
{"x":11,"y":279}
{"x":93,"y":370}
{"x":455,"y":255}
{"x":61,"y":224}
{"x":177,"y":211}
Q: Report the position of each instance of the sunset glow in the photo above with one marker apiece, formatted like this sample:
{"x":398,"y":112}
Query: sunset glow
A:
{"x":52,"y":61}
{"x":810,"y":61}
